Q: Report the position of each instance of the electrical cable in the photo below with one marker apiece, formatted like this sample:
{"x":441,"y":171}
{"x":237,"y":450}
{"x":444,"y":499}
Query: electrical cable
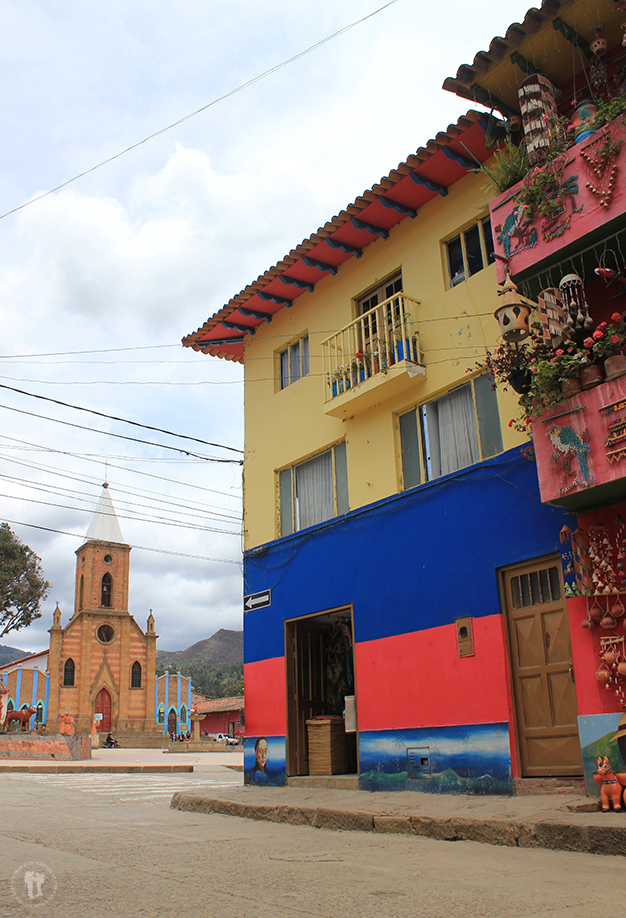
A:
{"x":121,"y":468}
{"x":112,"y":417}
{"x":162,"y":551}
{"x":180,"y":121}
{"x":108,"y":433}
{"x":138,"y":519}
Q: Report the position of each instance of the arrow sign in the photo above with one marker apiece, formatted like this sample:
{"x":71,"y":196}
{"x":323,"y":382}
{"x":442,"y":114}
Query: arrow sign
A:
{"x":257,"y":600}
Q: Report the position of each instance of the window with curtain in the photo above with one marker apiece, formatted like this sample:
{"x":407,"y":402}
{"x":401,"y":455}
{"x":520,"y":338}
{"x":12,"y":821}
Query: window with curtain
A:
{"x":314,"y":490}
{"x":469,"y":252}
{"x":293,"y":362}
{"x":450,"y":433}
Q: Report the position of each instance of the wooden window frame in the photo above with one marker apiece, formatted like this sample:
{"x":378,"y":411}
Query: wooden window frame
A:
{"x":297,"y":351}
{"x":486,"y":242}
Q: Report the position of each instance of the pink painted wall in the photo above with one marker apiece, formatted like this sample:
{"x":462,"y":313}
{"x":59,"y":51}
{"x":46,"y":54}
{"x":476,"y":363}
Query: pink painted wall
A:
{"x":218,"y":722}
{"x":264,"y":689}
{"x":592,"y":215}
{"x":418,"y":680}
{"x":554,"y":481}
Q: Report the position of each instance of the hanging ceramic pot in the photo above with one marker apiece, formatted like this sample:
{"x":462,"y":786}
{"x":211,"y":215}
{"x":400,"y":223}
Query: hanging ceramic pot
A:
{"x":609,"y":657}
{"x":617,"y":609}
{"x":621,"y":669}
{"x":582,"y":119}
{"x":588,"y":624}
{"x":608,"y":622}
{"x":513,"y":315}
{"x":596,"y":613}
{"x":602,"y":673}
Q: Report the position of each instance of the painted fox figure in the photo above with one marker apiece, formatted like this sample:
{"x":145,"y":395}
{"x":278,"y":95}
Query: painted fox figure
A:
{"x":611,"y":790}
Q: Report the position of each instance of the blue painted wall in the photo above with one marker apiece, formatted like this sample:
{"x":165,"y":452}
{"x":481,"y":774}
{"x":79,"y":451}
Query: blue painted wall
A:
{"x":428,"y":555}
{"x":472,"y":759}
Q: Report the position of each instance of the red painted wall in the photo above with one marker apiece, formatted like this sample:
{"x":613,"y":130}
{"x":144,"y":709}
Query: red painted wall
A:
{"x":218,"y":722}
{"x":418,"y":680}
{"x":265,"y":693}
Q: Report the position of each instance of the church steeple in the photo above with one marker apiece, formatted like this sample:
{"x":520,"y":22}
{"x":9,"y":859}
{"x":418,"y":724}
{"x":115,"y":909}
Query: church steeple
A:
{"x":102,"y":563}
{"x":104,"y":526}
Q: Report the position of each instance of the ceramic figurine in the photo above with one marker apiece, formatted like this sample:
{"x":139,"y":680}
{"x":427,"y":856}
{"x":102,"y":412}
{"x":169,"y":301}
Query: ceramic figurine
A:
{"x":610,"y":789}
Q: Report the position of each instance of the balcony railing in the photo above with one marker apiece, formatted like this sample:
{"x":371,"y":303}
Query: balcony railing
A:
{"x":383,"y":338}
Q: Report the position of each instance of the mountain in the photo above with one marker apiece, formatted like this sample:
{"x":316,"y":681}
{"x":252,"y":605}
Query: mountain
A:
{"x":224,"y":647}
{"x":8,"y":654}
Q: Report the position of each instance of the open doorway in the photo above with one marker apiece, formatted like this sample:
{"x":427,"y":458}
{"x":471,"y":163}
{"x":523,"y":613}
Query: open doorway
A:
{"x":319,"y":657}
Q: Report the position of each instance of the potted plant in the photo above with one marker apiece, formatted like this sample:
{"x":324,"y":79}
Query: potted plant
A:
{"x":607,"y":343}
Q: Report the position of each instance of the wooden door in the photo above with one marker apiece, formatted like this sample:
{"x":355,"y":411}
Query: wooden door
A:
{"x":541,"y":669}
{"x":103,"y":706}
{"x":305,"y":689}
{"x":172,"y":723}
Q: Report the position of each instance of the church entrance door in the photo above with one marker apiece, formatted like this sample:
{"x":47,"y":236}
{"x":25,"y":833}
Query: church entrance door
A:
{"x":103,"y":706}
{"x":172,"y":722}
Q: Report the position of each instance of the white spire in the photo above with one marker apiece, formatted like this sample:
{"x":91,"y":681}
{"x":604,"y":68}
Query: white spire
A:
{"x":104,"y":526}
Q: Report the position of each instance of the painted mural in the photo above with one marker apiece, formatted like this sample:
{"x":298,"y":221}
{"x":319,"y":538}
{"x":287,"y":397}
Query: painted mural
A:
{"x":472,"y":759}
{"x":602,"y":735}
{"x":264,"y":761}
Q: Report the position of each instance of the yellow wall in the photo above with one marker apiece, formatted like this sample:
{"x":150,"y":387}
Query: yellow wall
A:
{"x":455,"y":325}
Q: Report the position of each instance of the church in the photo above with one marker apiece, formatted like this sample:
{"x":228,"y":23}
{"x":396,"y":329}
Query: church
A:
{"x":101,"y":666}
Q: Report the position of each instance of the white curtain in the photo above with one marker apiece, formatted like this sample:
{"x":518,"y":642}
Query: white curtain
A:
{"x":458,"y":442}
{"x":315,"y":500}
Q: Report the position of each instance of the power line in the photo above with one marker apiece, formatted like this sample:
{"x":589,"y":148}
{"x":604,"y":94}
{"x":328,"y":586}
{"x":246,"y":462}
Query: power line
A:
{"x":163,"y":551}
{"x":84,"y":458}
{"x":108,"y":433}
{"x":138,"y":519}
{"x":112,"y":417}
{"x":180,"y":121}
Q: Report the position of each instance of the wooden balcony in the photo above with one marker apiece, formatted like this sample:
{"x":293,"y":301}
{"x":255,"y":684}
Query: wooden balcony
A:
{"x":372,"y":359}
{"x":592,"y":208}
{"x":580,"y":447}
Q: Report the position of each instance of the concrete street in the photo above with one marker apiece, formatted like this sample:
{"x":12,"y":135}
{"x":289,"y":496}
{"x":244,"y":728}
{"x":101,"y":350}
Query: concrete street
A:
{"x":109,"y":844}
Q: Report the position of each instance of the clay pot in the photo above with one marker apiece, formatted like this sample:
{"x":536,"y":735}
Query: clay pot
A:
{"x":591,"y":375}
{"x":617,"y":610}
{"x":621,"y":669}
{"x":588,"y":625}
{"x":570,"y":387}
{"x":615,"y":366}
{"x":608,"y":622}
{"x":603,"y":674}
{"x":596,"y":614}
{"x":609,"y":657}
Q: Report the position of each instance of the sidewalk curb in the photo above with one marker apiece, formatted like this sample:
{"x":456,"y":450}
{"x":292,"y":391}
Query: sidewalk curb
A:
{"x":64,"y":768}
{"x":606,"y":840}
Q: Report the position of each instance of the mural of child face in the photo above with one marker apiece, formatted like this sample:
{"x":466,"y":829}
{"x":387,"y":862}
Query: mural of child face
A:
{"x":261,"y":754}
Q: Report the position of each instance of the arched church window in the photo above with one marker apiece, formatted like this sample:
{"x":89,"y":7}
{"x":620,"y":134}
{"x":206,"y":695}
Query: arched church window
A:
{"x":161,"y":714}
{"x":183,"y":714}
{"x":105,"y":591}
{"x":39,"y":714}
{"x":135,"y":675}
{"x":68,"y":672}
{"x":10,"y":706}
{"x":81,"y":588}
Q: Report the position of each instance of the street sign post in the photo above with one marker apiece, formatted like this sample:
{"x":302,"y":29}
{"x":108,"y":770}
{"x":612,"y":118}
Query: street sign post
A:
{"x":257,"y":600}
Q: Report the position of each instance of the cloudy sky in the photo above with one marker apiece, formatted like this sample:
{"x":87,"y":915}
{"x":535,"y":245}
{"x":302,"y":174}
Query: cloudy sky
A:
{"x":100,"y":281}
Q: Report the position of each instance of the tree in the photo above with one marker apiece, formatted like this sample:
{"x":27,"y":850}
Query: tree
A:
{"x":22,"y":584}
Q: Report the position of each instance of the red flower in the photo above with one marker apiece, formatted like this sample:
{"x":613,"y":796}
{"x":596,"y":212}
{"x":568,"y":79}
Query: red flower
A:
{"x":614,"y":338}
{"x":559,"y":353}
{"x":588,"y":342}
{"x":616,"y":317}
{"x":602,"y":325}
{"x":597,"y":334}
{"x":359,"y":354}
